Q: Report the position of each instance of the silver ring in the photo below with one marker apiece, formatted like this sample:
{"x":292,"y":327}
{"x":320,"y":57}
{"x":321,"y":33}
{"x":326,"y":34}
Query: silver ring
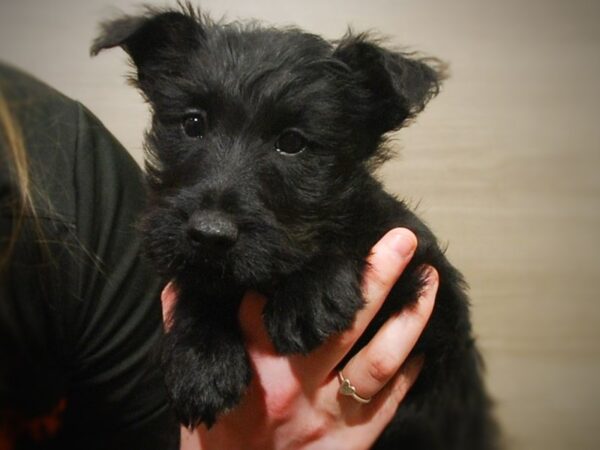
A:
{"x":348,"y":390}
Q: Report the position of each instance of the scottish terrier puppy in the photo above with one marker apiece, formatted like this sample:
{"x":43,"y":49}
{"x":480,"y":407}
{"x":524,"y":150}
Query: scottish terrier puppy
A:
{"x":260,"y":160}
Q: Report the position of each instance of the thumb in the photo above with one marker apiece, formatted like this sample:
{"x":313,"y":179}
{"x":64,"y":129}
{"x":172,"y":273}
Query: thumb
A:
{"x":252,"y":324}
{"x":168,"y":297}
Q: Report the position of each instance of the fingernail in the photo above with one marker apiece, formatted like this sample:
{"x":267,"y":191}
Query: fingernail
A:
{"x":403,"y":242}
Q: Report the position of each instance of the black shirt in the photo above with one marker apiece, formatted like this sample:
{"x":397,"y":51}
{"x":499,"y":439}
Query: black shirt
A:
{"x":79,"y":312}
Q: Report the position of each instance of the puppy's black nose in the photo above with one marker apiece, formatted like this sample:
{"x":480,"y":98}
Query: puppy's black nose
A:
{"x":212,"y":229}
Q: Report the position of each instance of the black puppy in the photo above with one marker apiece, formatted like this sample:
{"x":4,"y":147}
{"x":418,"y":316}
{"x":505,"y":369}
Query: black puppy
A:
{"x":260,"y":161}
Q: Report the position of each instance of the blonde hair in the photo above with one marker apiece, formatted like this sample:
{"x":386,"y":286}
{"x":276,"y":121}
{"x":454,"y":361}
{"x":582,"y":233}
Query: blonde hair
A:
{"x":21,"y":205}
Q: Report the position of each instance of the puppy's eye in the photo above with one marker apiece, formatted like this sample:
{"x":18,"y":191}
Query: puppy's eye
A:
{"x":290,"y":143}
{"x":194,"y":125}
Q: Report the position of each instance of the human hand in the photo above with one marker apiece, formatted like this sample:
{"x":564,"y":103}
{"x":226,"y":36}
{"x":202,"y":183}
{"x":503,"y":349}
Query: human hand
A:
{"x":293,"y":402}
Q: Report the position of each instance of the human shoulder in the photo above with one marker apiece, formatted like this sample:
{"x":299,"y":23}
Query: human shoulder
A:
{"x":65,"y":144}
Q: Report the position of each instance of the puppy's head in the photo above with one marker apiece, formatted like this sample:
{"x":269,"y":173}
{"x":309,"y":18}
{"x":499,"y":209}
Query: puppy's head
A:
{"x":261,"y":138}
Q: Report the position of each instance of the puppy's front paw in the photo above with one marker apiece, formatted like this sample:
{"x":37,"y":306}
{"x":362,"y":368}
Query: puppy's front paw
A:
{"x":202,"y":386}
{"x":305,"y":311}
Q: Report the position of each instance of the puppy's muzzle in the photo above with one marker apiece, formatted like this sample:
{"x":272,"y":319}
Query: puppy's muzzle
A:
{"x":212,"y":230}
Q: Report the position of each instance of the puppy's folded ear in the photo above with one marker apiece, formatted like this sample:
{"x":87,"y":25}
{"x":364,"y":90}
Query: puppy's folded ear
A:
{"x":153,"y":41}
{"x":397,"y":85}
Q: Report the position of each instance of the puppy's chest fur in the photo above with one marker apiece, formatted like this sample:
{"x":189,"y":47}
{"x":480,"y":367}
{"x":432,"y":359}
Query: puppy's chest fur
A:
{"x":260,"y":161}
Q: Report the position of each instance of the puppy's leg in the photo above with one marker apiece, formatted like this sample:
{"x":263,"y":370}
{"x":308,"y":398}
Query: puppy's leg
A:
{"x":204,"y":362}
{"x":311,"y":305}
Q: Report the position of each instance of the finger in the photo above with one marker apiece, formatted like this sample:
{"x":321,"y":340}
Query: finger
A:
{"x":385,"y":405}
{"x":168,"y":297}
{"x":189,"y":439}
{"x":388,"y":259}
{"x":386,"y":263}
{"x":377,"y":363}
{"x":274,"y":387}
{"x":252,"y":324}
{"x":369,"y":420}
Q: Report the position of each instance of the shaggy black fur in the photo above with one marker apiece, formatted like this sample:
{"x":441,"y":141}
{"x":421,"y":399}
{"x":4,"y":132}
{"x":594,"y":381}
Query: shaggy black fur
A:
{"x":260,"y":158}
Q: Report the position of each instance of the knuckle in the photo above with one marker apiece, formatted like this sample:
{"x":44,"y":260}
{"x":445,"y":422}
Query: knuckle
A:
{"x":382,"y":367}
{"x":280,"y":404}
{"x":375,"y":279}
{"x":315,"y":429}
{"x":400,"y":390}
{"x":346,"y":339}
{"x":420,"y":313}
{"x":390,"y":406}
{"x":398,"y":394}
{"x":424,"y":306}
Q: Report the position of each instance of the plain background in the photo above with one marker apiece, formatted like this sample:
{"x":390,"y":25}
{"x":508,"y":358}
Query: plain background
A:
{"x":503,"y":165}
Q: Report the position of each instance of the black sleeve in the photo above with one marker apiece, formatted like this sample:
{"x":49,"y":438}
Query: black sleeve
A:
{"x":79,"y":323}
{"x":112,"y":324}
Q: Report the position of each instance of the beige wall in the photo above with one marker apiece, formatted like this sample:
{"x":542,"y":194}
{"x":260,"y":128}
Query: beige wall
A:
{"x":504,"y":165}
